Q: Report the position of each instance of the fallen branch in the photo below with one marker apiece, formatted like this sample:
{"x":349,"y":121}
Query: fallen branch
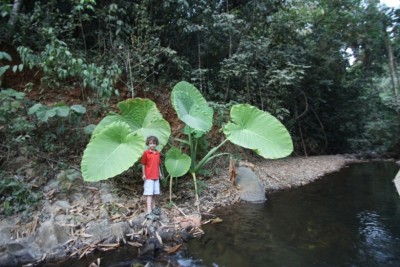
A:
{"x":180,"y":210}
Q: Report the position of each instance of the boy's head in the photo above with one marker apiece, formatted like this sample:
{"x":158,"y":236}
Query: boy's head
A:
{"x":151,"y":139}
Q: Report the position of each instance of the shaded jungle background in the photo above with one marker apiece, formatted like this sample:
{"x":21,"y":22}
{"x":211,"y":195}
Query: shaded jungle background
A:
{"x":327,"y":69}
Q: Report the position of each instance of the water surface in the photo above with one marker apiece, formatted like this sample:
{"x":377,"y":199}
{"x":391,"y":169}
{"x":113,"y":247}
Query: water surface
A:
{"x":348,"y":218}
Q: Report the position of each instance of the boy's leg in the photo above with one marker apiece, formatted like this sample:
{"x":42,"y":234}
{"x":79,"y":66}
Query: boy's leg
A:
{"x":156,"y":192}
{"x":148,"y":192}
{"x":149,"y":203}
{"x":153,"y":202}
{"x":151,"y":190}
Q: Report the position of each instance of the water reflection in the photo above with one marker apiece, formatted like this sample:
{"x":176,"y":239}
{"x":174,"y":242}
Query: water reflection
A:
{"x":349,"y":218}
{"x":375,"y":238}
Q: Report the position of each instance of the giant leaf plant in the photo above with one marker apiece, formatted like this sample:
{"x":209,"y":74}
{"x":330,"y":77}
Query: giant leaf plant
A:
{"x":258,"y":130}
{"x":191,"y":107}
{"x":177,"y":164}
{"x":249,"y":127}
{"x":118,"y":141}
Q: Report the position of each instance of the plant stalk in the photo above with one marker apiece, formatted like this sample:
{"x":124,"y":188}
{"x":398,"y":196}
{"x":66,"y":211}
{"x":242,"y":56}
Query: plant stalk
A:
{"x":204,"y":160}
{"x":197,"y":203}
{"x":170,"y":188}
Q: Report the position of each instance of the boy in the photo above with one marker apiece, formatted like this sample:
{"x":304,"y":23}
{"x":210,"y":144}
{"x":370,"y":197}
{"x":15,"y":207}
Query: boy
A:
{"x":151,"y":172}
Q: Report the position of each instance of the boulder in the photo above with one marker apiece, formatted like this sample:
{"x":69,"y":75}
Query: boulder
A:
{"x":249,"y":185}
{"x":51,"y":235}
{"x":18,"y":254}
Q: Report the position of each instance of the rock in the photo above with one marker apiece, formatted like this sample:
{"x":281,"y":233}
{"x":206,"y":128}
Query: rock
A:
{"x":247,"y":164}
{"x":152,"y":245}
{"x":98,"y":231}
{"x":251,"y":187}
{"x":103,"y":213}
{"x":106,"y":198}
{"x":51,"y":235}
{"x":137,"y":222}
{"x":148,"y":249}
{"x":52,"y":184}
{"x":63,"y":219}
{"x":77,"y":198}
{"x":6,"y":228}
{"x":397,"y":182}
{"x":62,"y":204}
{"x":3,"y":239}
{"x":16,"y":254}
{"x":119,"y":230}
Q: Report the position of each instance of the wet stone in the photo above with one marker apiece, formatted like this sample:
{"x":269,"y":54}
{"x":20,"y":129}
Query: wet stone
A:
{"x":250,"y":186}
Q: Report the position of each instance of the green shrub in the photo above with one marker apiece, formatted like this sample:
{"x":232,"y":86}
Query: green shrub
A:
{"x":10,"y":102}
{"x":378,"y":135}
{"x":44,"y":113}
{"x":59,"y":124}
{"x":16,"y":196}
{"x":58,"y":64}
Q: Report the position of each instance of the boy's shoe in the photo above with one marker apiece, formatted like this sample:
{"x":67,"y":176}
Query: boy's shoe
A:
{"x":152,"y":217}
{"x":156,"y":211}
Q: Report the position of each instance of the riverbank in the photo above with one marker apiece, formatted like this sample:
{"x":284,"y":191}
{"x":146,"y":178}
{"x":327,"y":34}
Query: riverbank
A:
{"x":275,"y":175}
{"x":77,"y":219}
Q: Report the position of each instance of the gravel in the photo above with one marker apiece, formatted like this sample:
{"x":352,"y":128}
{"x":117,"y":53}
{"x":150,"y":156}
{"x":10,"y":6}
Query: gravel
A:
{"x":274,"y":174}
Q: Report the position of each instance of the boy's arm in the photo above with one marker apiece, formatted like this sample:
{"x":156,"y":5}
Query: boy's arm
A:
{"x":160,"y":173}
{"x":143,"y":172}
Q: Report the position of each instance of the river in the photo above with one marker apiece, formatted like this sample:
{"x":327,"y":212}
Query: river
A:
{"x":347,"y":218}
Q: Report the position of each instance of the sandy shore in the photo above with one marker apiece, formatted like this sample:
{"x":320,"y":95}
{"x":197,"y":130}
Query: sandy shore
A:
{"x":275,"y":175}
{"x":297,"y":171}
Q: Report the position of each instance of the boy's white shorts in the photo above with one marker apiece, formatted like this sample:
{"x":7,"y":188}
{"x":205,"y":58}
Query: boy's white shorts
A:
{"x":151,"y":187}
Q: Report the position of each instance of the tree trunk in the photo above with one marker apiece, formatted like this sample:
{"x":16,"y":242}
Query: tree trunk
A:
{"x":13,"y":17}
{"x":14,"y":13}
{"x":300,"y":131}
{"x":230,"y":55}
{"x":392,"y":65}
{"x":199,"y":62}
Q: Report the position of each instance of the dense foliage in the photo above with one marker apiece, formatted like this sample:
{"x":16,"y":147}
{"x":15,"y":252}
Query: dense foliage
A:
{"x":327,"y":69}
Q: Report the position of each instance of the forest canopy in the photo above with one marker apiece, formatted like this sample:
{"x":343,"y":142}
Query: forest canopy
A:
{"x":327,"y":69}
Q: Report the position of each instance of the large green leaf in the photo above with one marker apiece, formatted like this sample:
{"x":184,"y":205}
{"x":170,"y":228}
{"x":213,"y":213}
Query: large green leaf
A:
{"x":78,"y":109}
{"x":260,"y":131}
{"x":7,"y":93}
{"x":113,"y":151}
{"x":43,"y":113}
{"x":3,"y":70}
{"x":176,"y":162}
{"x":142,"y":116}
{"x":61,"y":110}
{"x":191,"y":106}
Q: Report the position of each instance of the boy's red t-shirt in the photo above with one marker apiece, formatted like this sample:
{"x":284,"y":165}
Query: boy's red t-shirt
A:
{"x":151,"y":161}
